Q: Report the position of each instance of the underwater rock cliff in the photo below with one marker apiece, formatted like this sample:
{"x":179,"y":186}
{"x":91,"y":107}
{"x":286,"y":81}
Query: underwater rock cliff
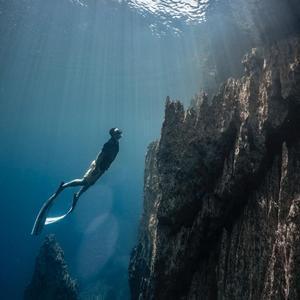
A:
{"x":221,"y":213}
{"x":51,"y":279}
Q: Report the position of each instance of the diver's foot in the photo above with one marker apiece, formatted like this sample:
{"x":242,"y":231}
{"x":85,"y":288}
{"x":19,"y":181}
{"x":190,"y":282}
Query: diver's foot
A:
{"x":75,"y":199}
{"x":60,"y":188}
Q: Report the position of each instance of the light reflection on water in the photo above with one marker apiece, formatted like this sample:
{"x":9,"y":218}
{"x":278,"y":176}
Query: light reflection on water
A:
{"x":168,"y":15}
{"x":98,"y":245}
{"x":100,"y":230}
{"x":187,"y":10}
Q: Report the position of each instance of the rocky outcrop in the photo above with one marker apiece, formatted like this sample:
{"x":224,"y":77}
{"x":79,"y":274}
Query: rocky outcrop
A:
{"x":51,"y":279}
{"x":221,"y":213}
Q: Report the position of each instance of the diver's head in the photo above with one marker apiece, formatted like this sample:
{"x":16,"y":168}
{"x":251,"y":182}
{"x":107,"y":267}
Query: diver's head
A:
{"x":115,"y":133}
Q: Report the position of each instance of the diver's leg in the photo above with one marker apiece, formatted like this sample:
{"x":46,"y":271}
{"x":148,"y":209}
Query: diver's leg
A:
{"x":62,"y":186}
{"x":75,"y":182}
{"x":86,"y":184}
{"x":82,"y":190}
{"x":78,"y":194}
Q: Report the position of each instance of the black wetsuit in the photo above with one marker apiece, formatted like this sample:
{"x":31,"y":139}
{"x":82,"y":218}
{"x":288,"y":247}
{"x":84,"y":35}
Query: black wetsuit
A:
{"x":108,"y":154}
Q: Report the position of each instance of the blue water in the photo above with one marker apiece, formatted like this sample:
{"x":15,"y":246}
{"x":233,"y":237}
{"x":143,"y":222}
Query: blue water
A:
{"x":69,"y":71}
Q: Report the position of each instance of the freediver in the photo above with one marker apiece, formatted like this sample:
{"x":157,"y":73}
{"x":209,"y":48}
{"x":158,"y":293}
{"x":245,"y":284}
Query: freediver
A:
{"x":95,"y":171}
{"x":97,"y":168}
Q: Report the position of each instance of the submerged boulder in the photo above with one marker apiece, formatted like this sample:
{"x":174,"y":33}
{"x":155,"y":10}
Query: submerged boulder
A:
{"x":51,"y":279}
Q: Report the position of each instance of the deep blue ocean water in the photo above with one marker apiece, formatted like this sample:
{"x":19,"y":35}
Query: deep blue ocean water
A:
{"x":69,"y":71}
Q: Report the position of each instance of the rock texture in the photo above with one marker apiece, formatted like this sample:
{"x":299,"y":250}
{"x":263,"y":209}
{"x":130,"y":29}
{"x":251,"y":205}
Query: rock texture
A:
{"x":51,"y":279}
{"x":221,"y":213}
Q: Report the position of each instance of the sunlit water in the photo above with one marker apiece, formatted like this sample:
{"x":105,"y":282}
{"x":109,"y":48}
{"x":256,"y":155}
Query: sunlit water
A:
{"x":170,"y":13}
{"x":165,"y":16}
{"x":70,"y":70}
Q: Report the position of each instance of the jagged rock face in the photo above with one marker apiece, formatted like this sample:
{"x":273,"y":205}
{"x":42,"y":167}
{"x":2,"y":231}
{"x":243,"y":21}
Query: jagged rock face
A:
{"x":51,"y":279}
{"x":222,"y":195}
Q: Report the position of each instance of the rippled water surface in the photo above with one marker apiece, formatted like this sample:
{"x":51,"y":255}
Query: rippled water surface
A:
{"x":166,"y":14}
{"x":191,"y":11}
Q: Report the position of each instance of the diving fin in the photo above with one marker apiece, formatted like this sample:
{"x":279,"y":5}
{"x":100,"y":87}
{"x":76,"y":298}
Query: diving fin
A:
{"x":52,"y":220}
{"x":42,"y":215}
